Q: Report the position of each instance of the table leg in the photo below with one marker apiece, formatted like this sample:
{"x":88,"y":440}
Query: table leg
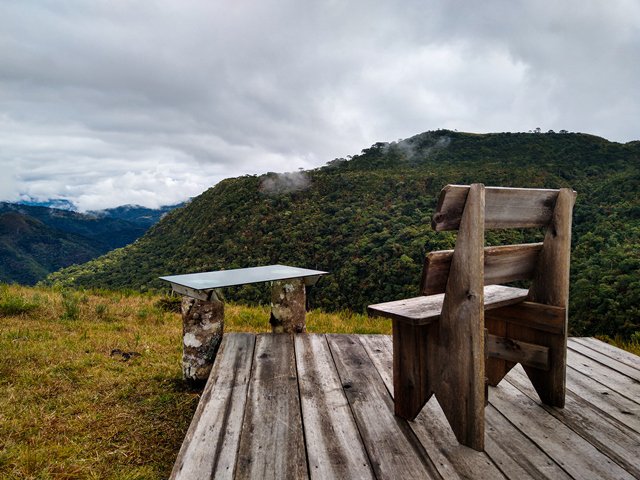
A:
{"x":288,"y":306}
{"x":202,"y":328}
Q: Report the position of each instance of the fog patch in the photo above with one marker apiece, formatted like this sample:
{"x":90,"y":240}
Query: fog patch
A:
{"x":416,"y":148}
{"x":277,"y":183}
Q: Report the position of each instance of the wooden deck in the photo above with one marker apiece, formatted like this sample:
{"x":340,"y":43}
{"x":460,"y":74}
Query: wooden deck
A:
{"x":320,"y":407}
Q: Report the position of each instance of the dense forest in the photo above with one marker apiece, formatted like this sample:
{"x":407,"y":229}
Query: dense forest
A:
{"x":366,"y":219}
{"x":36,"y":240}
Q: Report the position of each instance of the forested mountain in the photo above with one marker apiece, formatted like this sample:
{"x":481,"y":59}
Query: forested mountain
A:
{"x":37,"y":240}
{"x":137,"y":214}
{"x":366,"y":219}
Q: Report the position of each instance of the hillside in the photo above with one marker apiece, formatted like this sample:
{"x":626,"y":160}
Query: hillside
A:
{"x":367,"y":220}
{"x":136,"y":214}
{"x":37,"y":240}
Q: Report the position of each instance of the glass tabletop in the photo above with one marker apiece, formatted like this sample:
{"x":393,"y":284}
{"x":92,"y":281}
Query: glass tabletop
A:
{"x":240,"y":276}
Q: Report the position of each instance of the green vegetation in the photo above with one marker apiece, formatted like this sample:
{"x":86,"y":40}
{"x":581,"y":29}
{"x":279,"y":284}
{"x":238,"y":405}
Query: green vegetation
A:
{"x":36,"y":240}
{"x":73,"y":406}
{"x":367,"y":221}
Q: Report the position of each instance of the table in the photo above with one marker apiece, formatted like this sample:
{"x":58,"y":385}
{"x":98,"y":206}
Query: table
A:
{"x":202,"y":285}
{"x":203,"y":309}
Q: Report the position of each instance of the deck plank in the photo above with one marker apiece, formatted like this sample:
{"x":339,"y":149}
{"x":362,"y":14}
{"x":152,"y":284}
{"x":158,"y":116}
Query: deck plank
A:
{"x":606,"y":360}
{"x":210,"y":446}
{"x":627,"y":358}
{"x":272,"y":441}
{"x":333,"y":444}
{"x":320,"y":406}
{"x":607,"y":400}
{"x":393,"y":449}
{"x":611,"y":437}
{"x":451,"y":459}
{"x":514,"y":453}
{"x":605,"y":375}
{"x":574,"y":454}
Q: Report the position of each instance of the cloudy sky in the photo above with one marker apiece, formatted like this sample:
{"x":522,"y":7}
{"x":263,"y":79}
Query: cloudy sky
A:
{"x":151,"y":102}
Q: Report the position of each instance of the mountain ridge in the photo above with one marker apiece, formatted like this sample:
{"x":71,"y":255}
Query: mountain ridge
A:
{"x":37,"y":240}
{"x":367,"y":220}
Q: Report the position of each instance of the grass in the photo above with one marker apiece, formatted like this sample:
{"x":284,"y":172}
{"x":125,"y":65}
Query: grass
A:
{"x":631,"y":345}
{"x":71,"y":409}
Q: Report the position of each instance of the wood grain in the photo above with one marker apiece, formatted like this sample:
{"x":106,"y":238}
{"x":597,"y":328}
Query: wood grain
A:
{"x":272,"y":441}
{"x":411,"y":386}
{"x":505,"y":207}
{"x":423,"y":310}
{"x":392,"y":447}
{"x":503,"y":264}
{"x":514,"y":452}
{"x":577,"y":456}
{"x":452,"y":460}
{"x":550,"y":286}
{"x":457,"y":359}
{"x":211,"y":444}
{"x":606,"y":360}
{"x":625,"y":386}
{"x":622,"y":356}
{"x":528,"y":354}
{"x":610,"y":436}
{"x":333,"y":443}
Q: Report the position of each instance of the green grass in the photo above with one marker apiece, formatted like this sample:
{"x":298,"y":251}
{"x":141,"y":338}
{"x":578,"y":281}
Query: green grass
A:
{"x":68,"y":409}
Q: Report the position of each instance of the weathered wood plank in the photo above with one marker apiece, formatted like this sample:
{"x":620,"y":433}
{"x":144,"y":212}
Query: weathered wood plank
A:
{"x":608,"y":435}
{"x":210,"y":446}
{"x":618,"y":354}
{"x":550,"y":286}
{"x":514,"y":453}
{"x":502,"y":264}
{"x":333,"y":444}
{"x":516,"y":351}
{"x":411,"y":386}
{"x":272,"y":441}
{"x":506,"y":207}
{"x":606,"y":360}
{"x":392,"y":447}
{"x":456,"y":368}
{"x":545,"y":318}
{"x":606,"y":399}
{"x":452,"y":460}
{"x":572,"y":452}
{"x":622,"y":384}
{"x":423,"y":310}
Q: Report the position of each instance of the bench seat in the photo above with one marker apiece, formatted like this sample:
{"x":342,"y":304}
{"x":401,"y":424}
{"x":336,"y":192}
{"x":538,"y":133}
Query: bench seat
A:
{"x":425,"y":309}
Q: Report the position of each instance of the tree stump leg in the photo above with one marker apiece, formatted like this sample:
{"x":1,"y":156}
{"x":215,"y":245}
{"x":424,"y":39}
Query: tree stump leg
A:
{"x":288,"y":306}
{"x":202,"y":328}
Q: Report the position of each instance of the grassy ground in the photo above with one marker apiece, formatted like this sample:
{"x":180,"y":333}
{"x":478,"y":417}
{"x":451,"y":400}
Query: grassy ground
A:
{"x":71,"y":407}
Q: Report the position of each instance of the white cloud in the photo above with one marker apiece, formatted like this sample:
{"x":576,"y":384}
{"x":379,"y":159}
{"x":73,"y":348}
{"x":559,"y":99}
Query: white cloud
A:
{"x":118,"y":102}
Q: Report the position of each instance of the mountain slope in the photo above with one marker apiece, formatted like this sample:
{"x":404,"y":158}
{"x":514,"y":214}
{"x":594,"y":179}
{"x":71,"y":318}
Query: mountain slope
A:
{"x":37,"y":240}
{"x":367,"y":221}
{"x":29,"y":249}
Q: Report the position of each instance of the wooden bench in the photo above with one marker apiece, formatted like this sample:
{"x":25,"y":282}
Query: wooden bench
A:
{"x":444,"y":344}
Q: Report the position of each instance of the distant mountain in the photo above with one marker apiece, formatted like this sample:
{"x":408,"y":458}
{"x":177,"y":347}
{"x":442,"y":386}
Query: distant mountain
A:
{"x":136,"y":214}
{"x":60,"y":204}
{"x":367,"y":221}
{"x":37,"y":240}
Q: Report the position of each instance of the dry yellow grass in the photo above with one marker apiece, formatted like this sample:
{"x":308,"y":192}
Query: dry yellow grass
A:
{"x":71,"y":409}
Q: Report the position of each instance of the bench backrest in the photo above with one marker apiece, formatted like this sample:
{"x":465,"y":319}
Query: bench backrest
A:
{"x":506,"y":208}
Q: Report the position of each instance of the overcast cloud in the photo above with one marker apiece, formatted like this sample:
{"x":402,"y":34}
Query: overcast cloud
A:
{"x":114,"y":102}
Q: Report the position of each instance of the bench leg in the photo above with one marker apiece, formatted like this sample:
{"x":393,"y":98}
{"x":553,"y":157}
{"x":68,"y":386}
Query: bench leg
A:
{"x":411,"y":388}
